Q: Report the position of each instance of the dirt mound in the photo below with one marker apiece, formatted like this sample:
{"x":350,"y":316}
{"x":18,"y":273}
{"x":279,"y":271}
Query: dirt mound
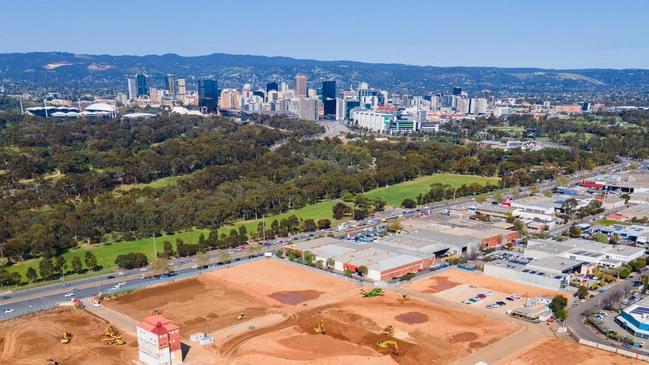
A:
{"x":440,"y":283}
{"x":295,"y":297}
{"x":464,"y":337}
{"x":412,"y":317}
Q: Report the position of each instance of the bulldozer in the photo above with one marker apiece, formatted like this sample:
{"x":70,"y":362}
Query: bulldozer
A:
{"x":66,"y":338}
{"x":404,"y":298}
{"x":372,"y":293}
{"x":388,"y":331}
{"x":388,"y":344}
{"x":241,"y":316}
{"x":320,"y":328}
{"x":112,"y":336}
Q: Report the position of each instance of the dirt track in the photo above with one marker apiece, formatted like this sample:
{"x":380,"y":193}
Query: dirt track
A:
{"x":34,"y":339}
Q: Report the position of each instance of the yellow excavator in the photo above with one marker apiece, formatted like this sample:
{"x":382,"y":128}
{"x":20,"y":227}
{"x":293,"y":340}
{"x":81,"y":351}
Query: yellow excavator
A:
{"x":67,"y":337}
{"x":404,"y":298}
{"x":112,"y":336}
{"x":241,"y":316}
{"x":388,"y":344}
{"x":388,"y":331}
{"x":320,"y":328}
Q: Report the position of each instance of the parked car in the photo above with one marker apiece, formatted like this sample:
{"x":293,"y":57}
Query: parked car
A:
{"x":10,"y":310}
{"x":68,"y":295}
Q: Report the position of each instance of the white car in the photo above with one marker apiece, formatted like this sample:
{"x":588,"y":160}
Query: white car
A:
{"x":70,"y":294}
{"x":10,"y":310}
{"x":143,"y":269}
{"x":122,"y":283}
{"x":120,"y":273}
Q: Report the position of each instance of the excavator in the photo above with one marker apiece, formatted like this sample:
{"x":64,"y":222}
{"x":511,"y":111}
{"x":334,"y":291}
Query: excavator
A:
{"x":404,"y":298}
{"x":320,"y":328}
{"x":388,"y":331}
{"x":112,"y":336}
{"x":372,"y":293}
{"x":241,"y":316}
{"x":391,"y":344}
{"x":66,"y":338}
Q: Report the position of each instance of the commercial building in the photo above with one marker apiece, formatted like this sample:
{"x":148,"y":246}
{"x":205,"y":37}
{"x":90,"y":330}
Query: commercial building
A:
{"x":306,"y":108}
{"x":170,"y":84}
{"x":635,"y":319}
{"x":208,"y":96}
{"x":628,"y":182}
{"x":158,"y":341}
{"x":272,"y":86}
{"x":479,"y":235}
{"x":550,"y":273}
{"x":635,"y":233}
{"x":300,"y":86}
{"x":132,"y":89}
{"x":142,"y":89}
{"x":584,"y":251}
{"x":329,"y":98}
{"x":384,"y":262}
{"x":182,"y":90}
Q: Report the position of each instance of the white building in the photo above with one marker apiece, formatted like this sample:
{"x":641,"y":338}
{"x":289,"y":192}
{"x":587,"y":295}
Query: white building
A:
{"x":158,"y":342}
{"x":373,"y":121}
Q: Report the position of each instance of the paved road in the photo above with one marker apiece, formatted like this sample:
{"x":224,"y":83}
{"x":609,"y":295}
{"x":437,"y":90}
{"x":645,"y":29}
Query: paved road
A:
{"x":578,"y":327}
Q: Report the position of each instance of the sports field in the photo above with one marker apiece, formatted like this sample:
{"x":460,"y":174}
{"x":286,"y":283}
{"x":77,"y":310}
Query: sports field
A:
{"x":393,"y":195}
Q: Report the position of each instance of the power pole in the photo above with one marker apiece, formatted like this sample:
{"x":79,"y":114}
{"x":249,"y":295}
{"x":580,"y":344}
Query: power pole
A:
{"x":155,"y":250}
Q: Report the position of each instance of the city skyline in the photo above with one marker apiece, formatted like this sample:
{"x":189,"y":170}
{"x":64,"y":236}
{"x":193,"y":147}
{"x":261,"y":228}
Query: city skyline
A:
{"x":556,"y":35}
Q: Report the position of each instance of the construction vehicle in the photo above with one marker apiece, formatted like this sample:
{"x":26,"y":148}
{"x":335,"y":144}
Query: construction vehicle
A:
{"x":67,"y":337}
{"x":241,"y":316}
{"x":388,"y":344}
{"x":404,"y":298}
{"x":372,"y":293}
{"x":320,"y":328}
{"x":51,"y":362}
{"x":388,"y":331}
{"x":112,"y":336}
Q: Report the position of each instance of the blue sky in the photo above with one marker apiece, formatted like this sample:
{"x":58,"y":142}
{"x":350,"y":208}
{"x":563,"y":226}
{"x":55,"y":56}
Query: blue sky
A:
{"x":507,"y":33}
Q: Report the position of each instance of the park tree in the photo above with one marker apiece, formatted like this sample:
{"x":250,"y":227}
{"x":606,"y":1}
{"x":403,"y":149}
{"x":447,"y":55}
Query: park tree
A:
{"x":600,"y":237}
{"x":91,"y":260}
{"x":340,"y":210}
{"x":408,"y":204}
{"x":60,"y":264}
{"x":243,"y":235}
{"x":76,"y":265}
{"x":224,"y":257}
{"x":309,"y":225}
{"x":623,"y":272}
{"x":202,"y":259}
{"x":395,"y":226}
{"x":309,"y":258}
{"x":9,"y":278}
{"x":481,"y":199}
{"x":31,"y":274}
{"x":638,"y":264}
{"x":161,"y":266}
{"x":324,"y":223}
{"x":167,"y":250}
{"x":46,"y":268}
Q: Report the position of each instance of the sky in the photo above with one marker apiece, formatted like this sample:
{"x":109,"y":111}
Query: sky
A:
{"x":502,"y":33}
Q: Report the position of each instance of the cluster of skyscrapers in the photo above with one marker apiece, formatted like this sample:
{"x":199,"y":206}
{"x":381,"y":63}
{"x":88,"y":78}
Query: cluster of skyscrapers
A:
{"x":206,"y":96}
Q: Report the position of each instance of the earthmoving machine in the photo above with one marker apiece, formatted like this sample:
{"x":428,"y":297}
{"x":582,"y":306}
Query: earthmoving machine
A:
{"x":388,"y":331}
{"x":51,"y":362}
{"x":241,"y":316}
{"x":112,"y":336}
{"x":404,"y":298}
{"x":372,"y":293}
{"x":67,"y":337}
{"x":388,"y":344}
{"x":320,"y":328}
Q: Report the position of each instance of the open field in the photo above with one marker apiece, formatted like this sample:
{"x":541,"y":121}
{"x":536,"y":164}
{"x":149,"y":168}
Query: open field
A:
{"x":283,"y":302}
{"x":395,"y":194}
{"x":155,"y":184}
{"x":454,"y":277}
{"x":565,"y":352}
{"x":34,"y":339}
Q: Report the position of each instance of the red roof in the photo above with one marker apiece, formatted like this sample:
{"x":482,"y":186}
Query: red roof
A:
{"x":158,"y":325}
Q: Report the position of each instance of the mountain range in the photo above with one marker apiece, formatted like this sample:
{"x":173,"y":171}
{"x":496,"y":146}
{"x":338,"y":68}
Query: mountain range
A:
{"x":89,"y":73}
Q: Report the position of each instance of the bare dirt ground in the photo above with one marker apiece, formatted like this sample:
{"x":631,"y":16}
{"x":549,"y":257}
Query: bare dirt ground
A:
{"x":284,"y":302}
{"x":565,"y":352}
{"x":34,"y":339}
{"x":454,"y":277}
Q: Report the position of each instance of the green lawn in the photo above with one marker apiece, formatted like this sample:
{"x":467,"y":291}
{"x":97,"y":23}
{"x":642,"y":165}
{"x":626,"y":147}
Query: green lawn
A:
{"x":155,"y":184}
{"x":395,"y":194}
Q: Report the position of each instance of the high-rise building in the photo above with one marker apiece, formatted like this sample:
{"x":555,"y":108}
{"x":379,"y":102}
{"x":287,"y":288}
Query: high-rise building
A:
{"x":272,"y":86}
{"x":142,"y":89}
{"x":208,"y":97}
{"x":170,"y":81}
{"x":300,"y":86}
{"x":182,"y":88}
{"x":308,"y":109}
{"x":329,"y":98}
{"x":457,"y":91}
{"x":132,"y":89}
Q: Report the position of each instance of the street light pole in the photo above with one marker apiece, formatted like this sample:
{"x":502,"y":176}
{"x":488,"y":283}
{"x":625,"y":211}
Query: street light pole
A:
{"x":155,"y":250}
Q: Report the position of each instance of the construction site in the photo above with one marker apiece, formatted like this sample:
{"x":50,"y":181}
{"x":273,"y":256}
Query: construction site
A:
{"x":276,"y":312}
